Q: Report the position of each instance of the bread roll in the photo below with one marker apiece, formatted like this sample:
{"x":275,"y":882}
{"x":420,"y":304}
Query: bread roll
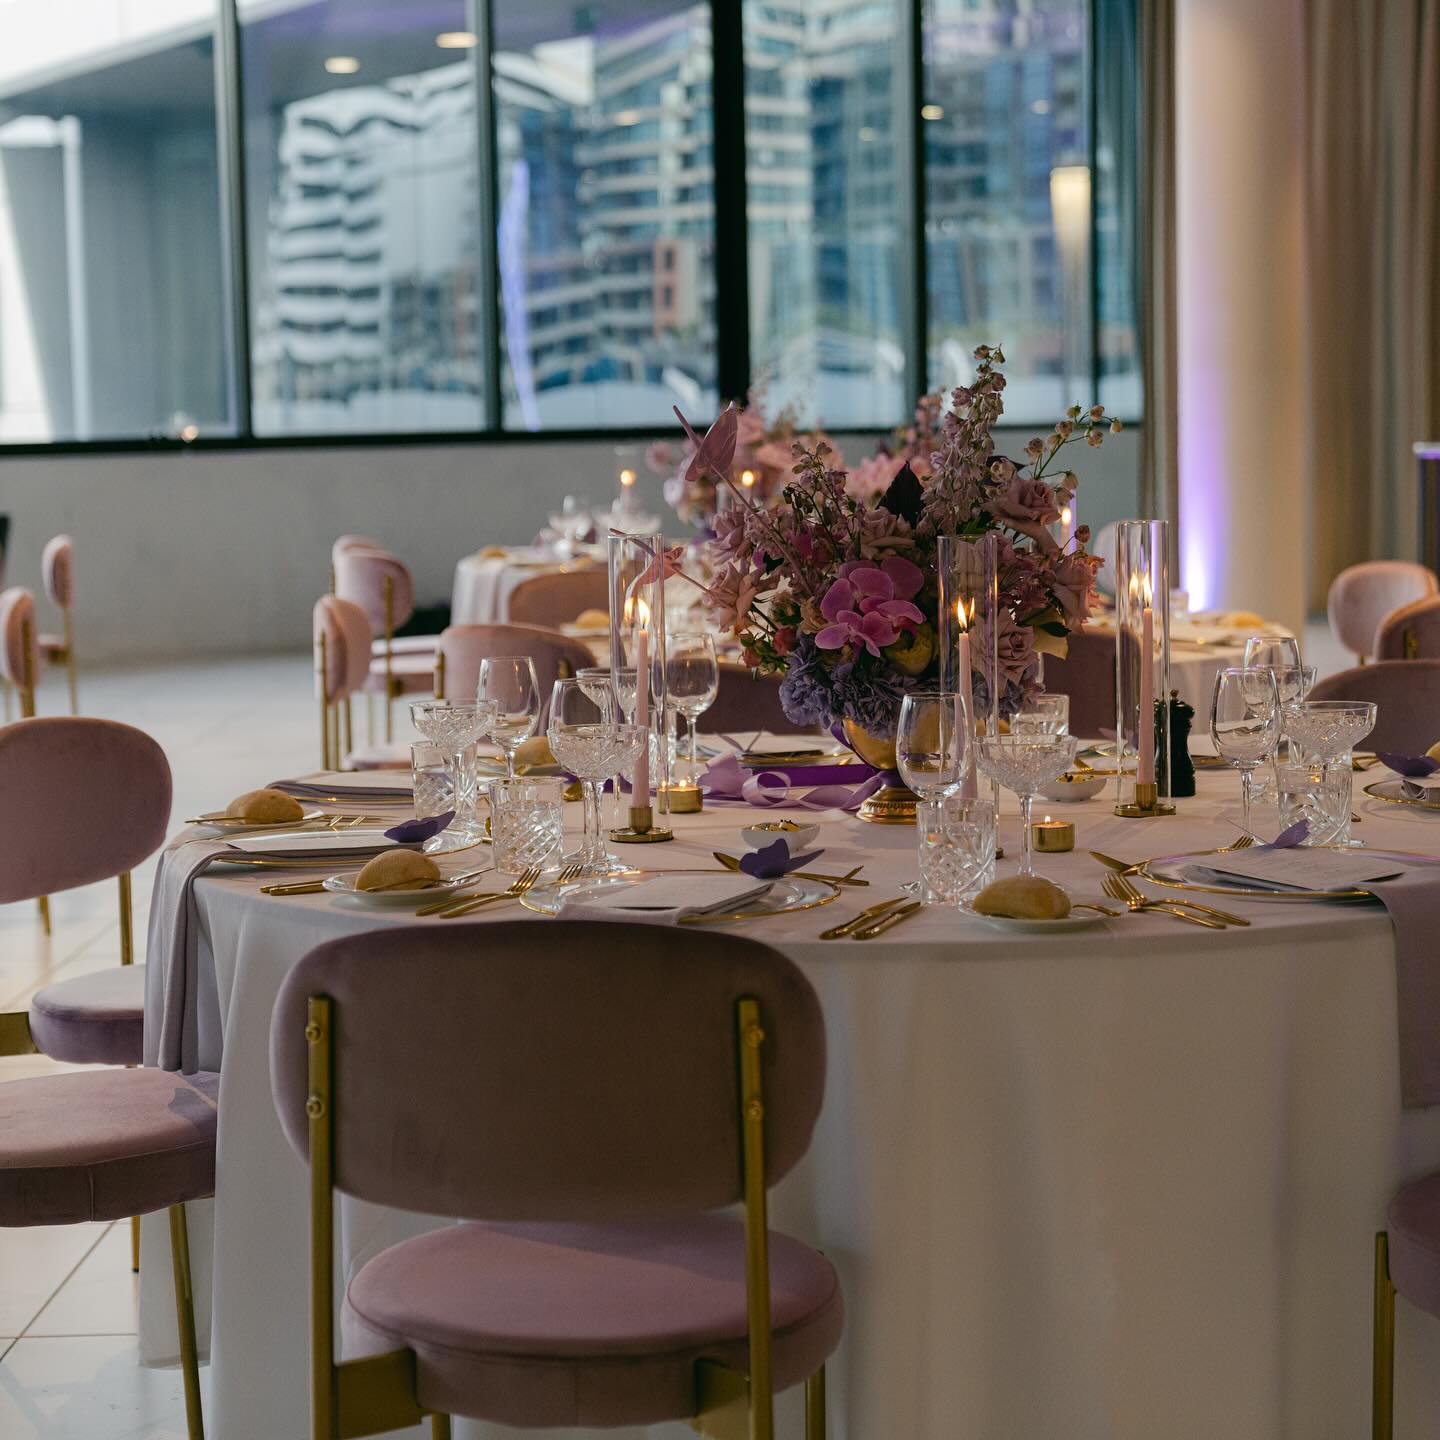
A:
{"x":532,"y":752}
{"x":592,"y":620}
{"x":265,"y":807}
{"x":1023,"y":897}
{"x":1434,"y":751}
{"x":398,"y":870}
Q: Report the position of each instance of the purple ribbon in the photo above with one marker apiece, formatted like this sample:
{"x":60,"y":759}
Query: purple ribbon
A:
{"x":1414,"y":767}
{"x":772,"y":861}
{"x":726,"y":780}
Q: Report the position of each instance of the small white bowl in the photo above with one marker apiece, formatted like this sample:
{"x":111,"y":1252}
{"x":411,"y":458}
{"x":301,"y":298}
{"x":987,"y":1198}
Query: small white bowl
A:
{"x":795,"y":833}
{"x":1075,"y":787}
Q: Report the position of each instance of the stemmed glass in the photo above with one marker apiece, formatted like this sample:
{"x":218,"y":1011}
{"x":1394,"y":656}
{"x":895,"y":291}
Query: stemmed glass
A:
{"x":1272,"y":652}
{"x":508,"y":684}
{"x":592,"y":745}
{"x":1245,"y":722}
{"x":1026,"y":763}
{"x":570,"y":522}
{"x":1043,"y":715}
{"x":693,"y":674}
{"x":454,"y":729}
{"x":931,"y":751}
{"x":1325,"y":732}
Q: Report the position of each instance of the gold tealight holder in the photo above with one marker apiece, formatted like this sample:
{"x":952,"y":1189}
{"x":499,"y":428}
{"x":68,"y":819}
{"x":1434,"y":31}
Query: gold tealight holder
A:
{"x":683,"y":798}
{"x":1053,"y":836}
{"x":642,"y":829}
{"x":1146,"y":804}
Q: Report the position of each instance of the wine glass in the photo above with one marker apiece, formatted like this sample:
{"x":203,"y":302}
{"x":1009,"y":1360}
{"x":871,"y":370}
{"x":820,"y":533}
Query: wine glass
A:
{"x":592,"y":745}
{"x":693,"y":681}
{"x":931,"y":750}
{"x":1245,"y":722}
{"x":508,"y":683}
{"x":1043,"y":715}
{"x":454,"y":729}
{"x":1272,"y":652}
{"x":1026,"y":763}
{"x":570,"y":522}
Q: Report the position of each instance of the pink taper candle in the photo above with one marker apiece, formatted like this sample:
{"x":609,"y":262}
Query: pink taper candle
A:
{"x":968,"y":785}
{"x":641,"y":794}
{"x":1145,"y":761}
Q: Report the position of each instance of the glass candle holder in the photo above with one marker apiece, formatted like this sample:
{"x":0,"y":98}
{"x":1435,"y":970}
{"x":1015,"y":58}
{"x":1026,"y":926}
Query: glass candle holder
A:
{"x":967,"y":635}
{"x":1142,"y":668}
{"x":637,"y":641}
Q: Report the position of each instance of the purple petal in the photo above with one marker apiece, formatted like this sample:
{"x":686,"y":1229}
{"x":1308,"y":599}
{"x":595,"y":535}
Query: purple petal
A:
{"x":1292,"y":835}
{"x":898,"y":610}
{"x":906,"y":576}
{"x":715,"y":453}
{"x":872,"y":583}
{"x":832,"y":637}
{"x":1415,"y":766}
{"x":412,"y":832}
{"x":774,"y":860}
{"x":839,"y":598}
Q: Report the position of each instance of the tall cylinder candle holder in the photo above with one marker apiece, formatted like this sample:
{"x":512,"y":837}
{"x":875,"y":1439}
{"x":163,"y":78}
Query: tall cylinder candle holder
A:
{"x":1142,"y":668}
{"x":637,"y":639}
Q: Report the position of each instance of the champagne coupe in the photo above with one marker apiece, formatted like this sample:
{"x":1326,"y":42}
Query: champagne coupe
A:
{"x":455,"y":728}
{"x":693,"y":673}
{"x":1325,"y":732}
{"x":1026,"y":763}
{"x":508,"y":683}
{"x":592,"y":745}
{"x":931,"y":750}
{"x":1245,"y":722}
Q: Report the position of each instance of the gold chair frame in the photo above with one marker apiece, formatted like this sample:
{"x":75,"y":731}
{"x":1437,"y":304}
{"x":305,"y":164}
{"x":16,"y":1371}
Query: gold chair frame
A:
{"x":1382,"y":1372}
{"x":377,"y":1394}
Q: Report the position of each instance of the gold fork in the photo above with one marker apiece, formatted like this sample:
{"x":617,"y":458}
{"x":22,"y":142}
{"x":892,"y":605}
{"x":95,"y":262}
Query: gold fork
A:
{"x":1131,"y":888}
{"x":521,"y":883}
{"x":1113,"y":886}
{"x":524,"y":883}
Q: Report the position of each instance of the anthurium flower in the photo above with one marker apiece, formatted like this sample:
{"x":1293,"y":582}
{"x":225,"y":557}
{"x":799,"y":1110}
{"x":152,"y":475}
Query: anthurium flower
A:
{"x":716,"y":452}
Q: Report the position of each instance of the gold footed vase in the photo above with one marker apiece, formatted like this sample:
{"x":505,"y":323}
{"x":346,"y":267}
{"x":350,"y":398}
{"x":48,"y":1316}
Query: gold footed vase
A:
{"x":891,"y":804}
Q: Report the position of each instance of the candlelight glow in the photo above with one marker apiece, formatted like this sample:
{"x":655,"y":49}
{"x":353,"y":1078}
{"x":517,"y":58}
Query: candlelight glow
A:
{"x":965,"y":613}
{"x":627,"y":478}
{"x":1067,"y":515}
{"x":747,"y":479}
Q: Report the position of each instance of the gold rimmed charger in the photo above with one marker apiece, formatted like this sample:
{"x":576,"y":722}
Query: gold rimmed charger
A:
{"x":809,"y":895}
{"x":1377,"y":791}
{"x":1349,"y":895}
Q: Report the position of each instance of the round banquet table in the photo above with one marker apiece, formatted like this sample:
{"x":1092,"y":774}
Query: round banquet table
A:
{"x":484,"y":581}
{"x":1111,"y":1185}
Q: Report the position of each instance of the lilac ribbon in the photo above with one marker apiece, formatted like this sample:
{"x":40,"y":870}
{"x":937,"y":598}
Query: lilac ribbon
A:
{"x":772,"y":861}
{"x":726,"y":780}
{"x":413,"y":832}
{"x":1289,"y":837}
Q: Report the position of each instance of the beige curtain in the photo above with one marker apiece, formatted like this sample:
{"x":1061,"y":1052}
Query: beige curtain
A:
{"x":1159,"y":437}
{"x":1373,"y":275}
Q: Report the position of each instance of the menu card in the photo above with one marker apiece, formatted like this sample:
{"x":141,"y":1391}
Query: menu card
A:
{"x":1299,"y":868}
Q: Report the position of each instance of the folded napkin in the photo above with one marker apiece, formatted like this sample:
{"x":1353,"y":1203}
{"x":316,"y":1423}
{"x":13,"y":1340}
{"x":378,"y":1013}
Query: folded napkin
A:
{"x":182,"y":1008}
{"x":665,"y":899}
{"x":373,"y":786}
{"x":1413,"y":902}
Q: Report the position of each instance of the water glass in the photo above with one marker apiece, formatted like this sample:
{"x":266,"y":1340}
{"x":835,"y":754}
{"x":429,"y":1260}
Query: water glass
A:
{"x":527,"y":823}
{"x":1319,"y":795}
{"x":431,"y":776}
{"x":692,"y":675}
{"x":1043,"y":715}
{"x":932,"y":741}
{"x":955,"y":840}
{"x":1245,"y":724}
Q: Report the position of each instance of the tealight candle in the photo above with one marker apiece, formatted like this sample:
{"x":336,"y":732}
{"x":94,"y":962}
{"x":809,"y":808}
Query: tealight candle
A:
{"x":1052,"y":835}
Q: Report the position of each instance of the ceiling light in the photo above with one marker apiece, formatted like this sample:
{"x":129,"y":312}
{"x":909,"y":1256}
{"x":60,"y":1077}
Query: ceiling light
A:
{"x":457,"y":40}
{"x":627,"y":117}
{"x":342,"y":65}
{"x":932,"y":112}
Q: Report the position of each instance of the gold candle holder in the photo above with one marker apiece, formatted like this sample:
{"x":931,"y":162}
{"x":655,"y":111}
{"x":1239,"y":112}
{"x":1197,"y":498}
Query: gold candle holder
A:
{"x":1146,"y":804}
{"x":642,"y":829}
{"x":683,"y":798}
{"x":1052,"y":836}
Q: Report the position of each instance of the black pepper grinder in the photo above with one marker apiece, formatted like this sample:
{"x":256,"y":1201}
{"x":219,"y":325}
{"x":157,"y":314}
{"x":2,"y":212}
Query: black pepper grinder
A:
{"x":1182,"y":768}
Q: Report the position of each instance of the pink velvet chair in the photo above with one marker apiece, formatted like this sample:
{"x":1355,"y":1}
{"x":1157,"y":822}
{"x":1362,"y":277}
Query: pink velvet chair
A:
{"x":399,"y":644}
{"x":1410,"y":633}
{"x":341,"y":637}
{"x":747,"y":702}
{"x":463,"y":647}
{"x":1362,"y":596}
{"x":19,"y":648}
{"x":587,"y":1098}
{"x":1087,"y":676}
{"x":380,"y":584}
{"x":558,"y":598}
{"x":1407,"y":693}
{"x":57,"y":565}
{"x":1407,"y":1262}
{"x":99,"y":1145}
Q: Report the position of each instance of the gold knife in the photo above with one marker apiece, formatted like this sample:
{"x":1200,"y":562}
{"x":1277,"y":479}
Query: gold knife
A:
{"x":837,"y":932}
{"x":894,"y":917}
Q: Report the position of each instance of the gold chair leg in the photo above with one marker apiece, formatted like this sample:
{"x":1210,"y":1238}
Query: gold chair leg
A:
{"x":185,"y":1321}
{"x":43,"y":904}
{"x":347,"y":726}
{"x":134,"y":1244}
{"x":439,"y":1427}
{"x":1382,"y":1414}
{"x":815,"y":1406}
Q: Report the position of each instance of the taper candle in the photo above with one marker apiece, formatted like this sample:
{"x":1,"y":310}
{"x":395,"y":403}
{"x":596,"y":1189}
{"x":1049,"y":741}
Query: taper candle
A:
{"x":1145,"y":760}
{"x":964,"y":614}
{"x":641,"y":793}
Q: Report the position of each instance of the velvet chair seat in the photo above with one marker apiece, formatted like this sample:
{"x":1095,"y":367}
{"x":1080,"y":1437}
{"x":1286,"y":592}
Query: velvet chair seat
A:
{"x":408,"y":645}
{"x":93,"y":1019}
{"x":579,"y":1325}
{"x":104,"y":1145}
{"x":414,"y":674}
{"x":51,"y":646}
{"x":1414,"y":1228}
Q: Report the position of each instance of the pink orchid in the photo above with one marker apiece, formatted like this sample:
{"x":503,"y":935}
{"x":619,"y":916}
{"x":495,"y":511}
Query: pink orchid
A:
{"x":716,"y":452}
{"x":862,"y":605}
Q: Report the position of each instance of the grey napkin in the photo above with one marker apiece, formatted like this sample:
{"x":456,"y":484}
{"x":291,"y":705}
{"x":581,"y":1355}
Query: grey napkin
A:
{"x":1413,"y":902}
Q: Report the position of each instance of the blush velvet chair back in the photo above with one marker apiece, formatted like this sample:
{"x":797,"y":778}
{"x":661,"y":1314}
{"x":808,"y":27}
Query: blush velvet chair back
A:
{"x":57,"y":566}
{"x":558,"y":598}
{"x":747,"y":702}
{"x":1407,"y":693}
{"x":1106,"y":544}
{"x":1087,"y":676}
{"x":588,"y":1094}
{"x":19,"y":648}
{"x":1410,"y":633}
{"x":1362,"y":596}
{"x":343,"y":667}
{"x":463,"y":647}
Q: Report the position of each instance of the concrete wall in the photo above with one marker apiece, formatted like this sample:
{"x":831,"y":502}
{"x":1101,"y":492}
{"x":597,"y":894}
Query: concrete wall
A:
{"x":209,"y":552}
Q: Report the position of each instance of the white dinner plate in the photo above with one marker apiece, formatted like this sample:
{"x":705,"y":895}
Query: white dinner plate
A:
{"x":782,"y":896}
{"x":219,"y":823}
{"x":1025,"y":925}
{"x":311,"y":844}
{"x":344,"y":885}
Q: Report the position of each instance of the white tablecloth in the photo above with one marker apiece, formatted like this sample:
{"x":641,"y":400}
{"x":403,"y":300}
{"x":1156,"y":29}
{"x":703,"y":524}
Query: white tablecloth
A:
{"x":1114,"y":1186}
{"x":484,"y":582}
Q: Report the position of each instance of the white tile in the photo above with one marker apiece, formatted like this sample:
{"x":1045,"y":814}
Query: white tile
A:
{"x":34,"y":1263}
{"x":99,"y":1298}
{"x":87,"y":1388}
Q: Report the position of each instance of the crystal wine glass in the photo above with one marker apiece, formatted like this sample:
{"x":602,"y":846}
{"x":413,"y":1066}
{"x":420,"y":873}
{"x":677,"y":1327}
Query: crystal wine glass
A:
{"x":693,"y":681}
{"x":1245,"y":724}
{"x":570,"y":522}
{"x":1026,"y":764}
{"x":1272,"y":652}
{"x":508,"y":683}
{"x":455,"y":728}
{"x":587,"y":739}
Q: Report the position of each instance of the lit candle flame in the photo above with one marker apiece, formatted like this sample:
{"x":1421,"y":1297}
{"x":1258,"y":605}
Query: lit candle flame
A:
{"x":1066,"y":516}
{"x":627,"y":478}
{"x":965,"y":613}
{"x":747,"y":479}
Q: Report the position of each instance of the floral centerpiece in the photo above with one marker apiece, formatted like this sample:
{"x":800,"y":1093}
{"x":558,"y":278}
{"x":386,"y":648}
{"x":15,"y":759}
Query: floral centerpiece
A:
{"x":838,"y":593}
{"x":763,"y":451}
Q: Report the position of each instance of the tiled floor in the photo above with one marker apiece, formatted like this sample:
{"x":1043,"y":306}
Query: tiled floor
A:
{"x":68,"y":1366}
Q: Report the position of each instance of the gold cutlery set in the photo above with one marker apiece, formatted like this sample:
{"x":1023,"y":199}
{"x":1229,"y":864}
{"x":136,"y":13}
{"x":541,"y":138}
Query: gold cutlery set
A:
{"x":1119,"y":885}
{"x":874,"y":919}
